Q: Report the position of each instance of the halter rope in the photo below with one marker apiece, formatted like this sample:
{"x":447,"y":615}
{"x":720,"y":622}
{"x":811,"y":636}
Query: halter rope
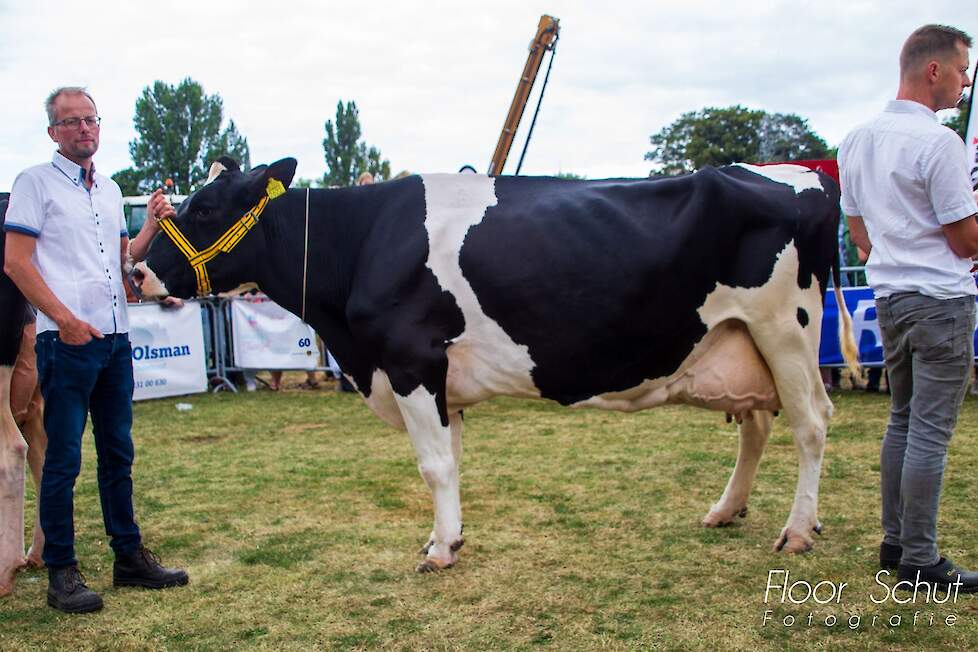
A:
{"x":228,"y":241}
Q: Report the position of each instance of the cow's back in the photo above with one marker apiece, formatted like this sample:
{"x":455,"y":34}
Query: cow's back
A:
{"x":600,"y":282}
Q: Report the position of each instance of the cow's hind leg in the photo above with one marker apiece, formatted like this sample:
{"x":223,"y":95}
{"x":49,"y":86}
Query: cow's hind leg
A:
{"x":37,"y":443}
{"x":13,"y":453}
{"x":433,"y":445}
{"x":792,"y":355}
{"x":26,"y":405}
{"x":754,"y":432}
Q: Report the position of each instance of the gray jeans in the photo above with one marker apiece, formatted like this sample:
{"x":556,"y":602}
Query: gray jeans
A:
{"x":929,"y":349}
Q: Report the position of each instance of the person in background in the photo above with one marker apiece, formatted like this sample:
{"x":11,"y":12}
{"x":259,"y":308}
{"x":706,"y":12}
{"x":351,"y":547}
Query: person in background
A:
{"x":909,"y":202}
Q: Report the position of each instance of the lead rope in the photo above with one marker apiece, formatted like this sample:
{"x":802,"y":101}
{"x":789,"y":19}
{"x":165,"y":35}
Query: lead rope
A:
{"x":305,"y":258}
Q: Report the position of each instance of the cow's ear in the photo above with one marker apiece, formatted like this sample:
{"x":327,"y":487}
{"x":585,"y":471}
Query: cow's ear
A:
{"x":276,"y":178}
{"x":228,"y":163}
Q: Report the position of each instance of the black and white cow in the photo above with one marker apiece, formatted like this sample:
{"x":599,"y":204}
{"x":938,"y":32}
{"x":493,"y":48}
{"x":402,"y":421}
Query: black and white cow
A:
{"x":18,"y":393}
{"x":436,"y":292}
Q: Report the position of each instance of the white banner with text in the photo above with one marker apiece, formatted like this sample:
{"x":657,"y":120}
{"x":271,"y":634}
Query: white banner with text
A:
{"x":168,"y":356}
{"x":266,"y":336}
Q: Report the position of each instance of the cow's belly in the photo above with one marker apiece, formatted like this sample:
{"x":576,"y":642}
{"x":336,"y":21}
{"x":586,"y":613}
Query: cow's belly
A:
{"x":724,"y":372}
{"x":480,"y":371}
{"x":381,"y":400}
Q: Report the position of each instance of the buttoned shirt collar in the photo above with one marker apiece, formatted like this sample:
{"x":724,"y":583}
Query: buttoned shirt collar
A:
{"x":72,"y":170}
{"x":910,"y":106}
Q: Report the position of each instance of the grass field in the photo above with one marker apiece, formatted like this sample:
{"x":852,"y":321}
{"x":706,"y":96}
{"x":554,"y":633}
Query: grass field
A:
{"x":299,"y":516}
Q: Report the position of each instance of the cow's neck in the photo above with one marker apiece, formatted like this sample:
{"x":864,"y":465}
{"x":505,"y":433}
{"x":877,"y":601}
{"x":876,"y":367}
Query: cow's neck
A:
{"x":324,"y":258}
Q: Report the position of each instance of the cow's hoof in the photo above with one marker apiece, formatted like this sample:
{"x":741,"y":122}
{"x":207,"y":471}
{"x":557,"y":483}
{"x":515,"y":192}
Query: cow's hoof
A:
{"x":723,"y":517}
{"x":435,"y":562}
{"x":432,"y":566}
{"x":34,"y":560}
{"x":793,"y":541}
{"x":7,"y":576}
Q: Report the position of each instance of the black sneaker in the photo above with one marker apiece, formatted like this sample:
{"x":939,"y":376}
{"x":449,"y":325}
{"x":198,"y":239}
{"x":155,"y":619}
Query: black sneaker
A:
{"x":142,"y":568}
{"x":890,"y":556}
{"x":943,"y":575}
{"x":67,"y":591}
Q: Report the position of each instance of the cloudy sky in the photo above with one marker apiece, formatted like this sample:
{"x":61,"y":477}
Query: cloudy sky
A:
{"x":434,"y":79}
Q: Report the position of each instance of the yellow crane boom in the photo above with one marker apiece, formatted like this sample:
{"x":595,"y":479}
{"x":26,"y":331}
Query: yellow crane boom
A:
{"x":544,"y":40}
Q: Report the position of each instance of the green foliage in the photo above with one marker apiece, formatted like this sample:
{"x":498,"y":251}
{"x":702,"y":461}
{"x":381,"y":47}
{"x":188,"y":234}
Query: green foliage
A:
{"x":956,"y":122}
{"x":720,"y":136}
{"x":128,"y":180}
{"x":347,"y":156}
{"x":570,"y":175}
{"x":179,"y":135}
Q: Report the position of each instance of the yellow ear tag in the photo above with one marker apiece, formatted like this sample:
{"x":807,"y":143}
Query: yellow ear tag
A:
{"x":274,"y":188}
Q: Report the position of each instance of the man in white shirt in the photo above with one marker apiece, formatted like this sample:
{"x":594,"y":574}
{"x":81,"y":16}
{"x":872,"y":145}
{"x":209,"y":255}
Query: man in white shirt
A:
{"x":66,"y":241}
{"x":909,"y":202}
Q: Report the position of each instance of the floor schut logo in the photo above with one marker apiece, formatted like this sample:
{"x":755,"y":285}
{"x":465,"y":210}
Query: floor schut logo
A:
{"x":147,"y":352}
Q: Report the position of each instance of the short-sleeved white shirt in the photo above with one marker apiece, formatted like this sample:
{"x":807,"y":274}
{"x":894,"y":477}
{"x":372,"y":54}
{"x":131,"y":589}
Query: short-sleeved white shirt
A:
{"x":906,"y":175}
{"x":79,"y":234}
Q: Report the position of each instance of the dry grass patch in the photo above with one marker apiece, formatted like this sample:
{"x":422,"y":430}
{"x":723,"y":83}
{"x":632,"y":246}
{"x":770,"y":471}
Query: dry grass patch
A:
{"x":299,"y":514}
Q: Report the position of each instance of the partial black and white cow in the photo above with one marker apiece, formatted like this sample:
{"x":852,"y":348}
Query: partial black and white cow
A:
{"x":436,"y":292}
{"x":20,"y":409}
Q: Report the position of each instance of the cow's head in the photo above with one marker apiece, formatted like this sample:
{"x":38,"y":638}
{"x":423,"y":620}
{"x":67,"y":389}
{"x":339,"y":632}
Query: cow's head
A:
{"x":212,"y":226}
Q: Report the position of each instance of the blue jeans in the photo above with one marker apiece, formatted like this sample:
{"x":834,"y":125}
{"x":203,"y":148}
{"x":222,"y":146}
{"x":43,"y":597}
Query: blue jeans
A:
{"x":929,"y":349}
{"x":75,"y":380}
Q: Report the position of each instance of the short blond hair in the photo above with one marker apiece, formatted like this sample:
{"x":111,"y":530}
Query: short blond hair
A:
{"x":930,"y":42}
{"x":365,"y":179}
{"x":58,"y":92}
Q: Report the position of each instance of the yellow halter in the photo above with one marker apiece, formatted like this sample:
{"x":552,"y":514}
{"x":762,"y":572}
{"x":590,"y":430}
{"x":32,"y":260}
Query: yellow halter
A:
{"x":224,"y":244}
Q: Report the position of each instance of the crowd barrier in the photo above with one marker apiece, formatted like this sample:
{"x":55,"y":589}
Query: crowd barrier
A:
{"x":186,"y":350}
{"x":866,"y":329}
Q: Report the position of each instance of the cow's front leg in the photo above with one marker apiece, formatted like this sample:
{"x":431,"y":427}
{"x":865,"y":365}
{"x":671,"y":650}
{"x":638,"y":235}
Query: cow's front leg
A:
{"x":13,"y":453}
{"x":455,"y":422}
{"x":437,"y":463}
{"x":754,"y":432}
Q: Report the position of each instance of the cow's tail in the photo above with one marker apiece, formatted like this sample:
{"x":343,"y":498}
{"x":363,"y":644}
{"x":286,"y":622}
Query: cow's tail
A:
{"x":847,"y":341}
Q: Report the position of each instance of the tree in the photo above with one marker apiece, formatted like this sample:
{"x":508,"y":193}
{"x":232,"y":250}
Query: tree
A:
{"x":719,"y":136}
{"x":128,"y":181}
{"x":347,"y":157}
{"x":179,"y":135}
{"x":956,"y":122}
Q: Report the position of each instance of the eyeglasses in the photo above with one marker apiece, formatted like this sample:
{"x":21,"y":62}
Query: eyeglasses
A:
{"x":91,"y":122}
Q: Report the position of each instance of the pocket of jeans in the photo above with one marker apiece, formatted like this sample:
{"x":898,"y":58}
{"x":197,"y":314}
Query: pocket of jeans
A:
{"x":935,"y":340}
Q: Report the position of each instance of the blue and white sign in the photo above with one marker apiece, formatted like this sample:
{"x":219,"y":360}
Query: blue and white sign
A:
{"x":266,"y":336}
{"x":167,"y":350}
{"x":865,"y":328}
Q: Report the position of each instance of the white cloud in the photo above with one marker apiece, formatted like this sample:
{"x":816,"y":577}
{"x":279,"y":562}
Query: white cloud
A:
{"x":434,"y":80}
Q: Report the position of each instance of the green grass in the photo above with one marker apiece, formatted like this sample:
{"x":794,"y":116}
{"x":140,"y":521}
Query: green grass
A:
{"x":299,"y":516}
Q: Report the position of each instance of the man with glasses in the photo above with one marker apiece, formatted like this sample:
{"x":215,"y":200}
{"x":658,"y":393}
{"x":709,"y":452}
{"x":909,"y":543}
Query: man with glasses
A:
{"x":66,"y":242}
